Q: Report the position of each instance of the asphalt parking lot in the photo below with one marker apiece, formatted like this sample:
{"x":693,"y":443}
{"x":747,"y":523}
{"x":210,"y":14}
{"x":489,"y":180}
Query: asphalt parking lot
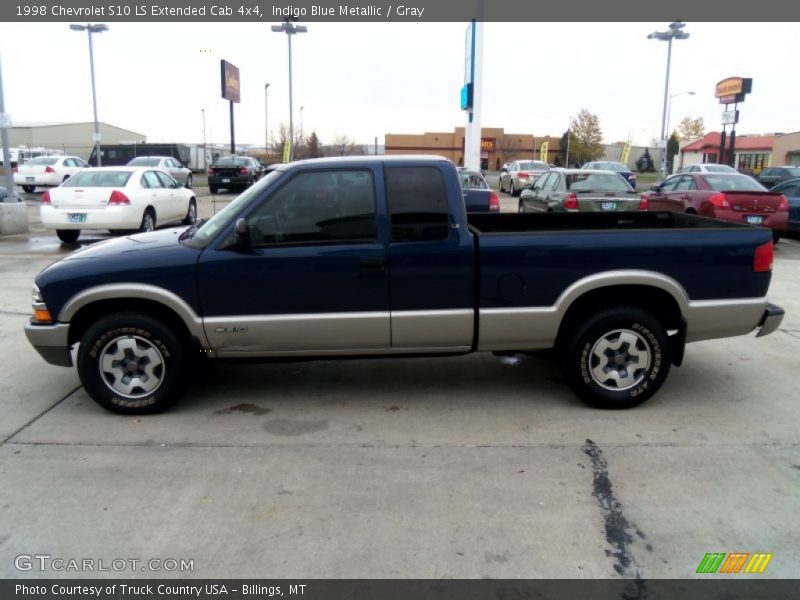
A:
{"x":427,"y":467}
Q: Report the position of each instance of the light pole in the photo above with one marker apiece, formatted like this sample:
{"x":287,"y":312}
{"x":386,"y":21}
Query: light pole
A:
{"x":205,"y":152}
{"x":675,"y":32}
{"x":266,"y":121}
{"x":90,"y":29}
{"x":669,"y":112}
{"x":290,"y":29}
{"x":302,"y":141}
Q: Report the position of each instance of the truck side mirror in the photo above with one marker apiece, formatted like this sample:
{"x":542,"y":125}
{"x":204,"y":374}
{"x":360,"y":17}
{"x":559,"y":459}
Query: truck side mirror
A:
{"x":241,"y":234}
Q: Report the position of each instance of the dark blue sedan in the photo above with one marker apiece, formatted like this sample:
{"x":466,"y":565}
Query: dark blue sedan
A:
{"x":791,"y":189}
{"x":617,"y":167}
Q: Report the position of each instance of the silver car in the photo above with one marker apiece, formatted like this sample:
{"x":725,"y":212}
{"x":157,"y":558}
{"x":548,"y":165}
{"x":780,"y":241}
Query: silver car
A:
{"x":179,"y":173}
{"x":521,"y":174}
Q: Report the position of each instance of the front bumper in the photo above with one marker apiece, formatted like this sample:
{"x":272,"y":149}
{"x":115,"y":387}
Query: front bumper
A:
{"x":51,"y":342}
{"x":773,"y":315}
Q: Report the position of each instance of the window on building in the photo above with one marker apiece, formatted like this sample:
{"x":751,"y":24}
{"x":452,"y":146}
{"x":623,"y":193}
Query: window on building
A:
{"x":753,"y":162}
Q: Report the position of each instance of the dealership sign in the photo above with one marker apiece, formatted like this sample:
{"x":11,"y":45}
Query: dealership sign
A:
{"x":733,"y":89}
{"x":230,"y":81}
{"x":730,"y":117}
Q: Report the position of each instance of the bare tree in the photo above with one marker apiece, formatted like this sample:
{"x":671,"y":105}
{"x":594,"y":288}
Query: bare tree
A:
{"x":341,"y":146}
{"x":507,"y":147}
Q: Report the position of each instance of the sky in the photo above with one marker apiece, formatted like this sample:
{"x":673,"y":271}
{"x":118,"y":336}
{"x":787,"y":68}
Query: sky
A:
{"x":363,"y":80}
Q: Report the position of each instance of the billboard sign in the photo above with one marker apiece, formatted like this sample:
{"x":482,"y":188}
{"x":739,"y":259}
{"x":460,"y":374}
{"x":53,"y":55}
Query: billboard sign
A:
{"x":733,"y":89}
{"x":230,"y":81}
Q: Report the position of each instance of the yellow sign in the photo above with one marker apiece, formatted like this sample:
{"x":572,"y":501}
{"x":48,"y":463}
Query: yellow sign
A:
{"x":733,"y":86}
{"x":543,"y":151}
{"x":287,"y":150}
{"x":626,"y":153}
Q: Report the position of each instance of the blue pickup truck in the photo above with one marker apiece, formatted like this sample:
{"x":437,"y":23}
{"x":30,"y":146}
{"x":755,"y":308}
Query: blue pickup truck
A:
{"x":365,"y":256}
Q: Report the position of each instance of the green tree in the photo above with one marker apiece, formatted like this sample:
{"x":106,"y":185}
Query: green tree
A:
{"x":673,"y":145}
{"x":691,"y":129}
{"x":312,"y":146}
{"x":586,"y":138}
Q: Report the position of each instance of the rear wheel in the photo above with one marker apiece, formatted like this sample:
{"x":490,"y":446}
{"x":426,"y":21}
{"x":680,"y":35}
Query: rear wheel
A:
{"x":213,"y":189}
{"x":617,"y":358}
{"x":776,"y":237}
{"x":189,"y":181}
{"x":28,"y":189}
{"x":191,"y":213}
{"x":148,"y":221}
{"x":521,"y":207}
{"x":132,"y":364}
{"x":68,"y":236}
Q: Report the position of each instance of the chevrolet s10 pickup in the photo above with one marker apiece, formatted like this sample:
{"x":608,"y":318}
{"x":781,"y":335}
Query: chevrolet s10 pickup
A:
{"x":376,"y":256}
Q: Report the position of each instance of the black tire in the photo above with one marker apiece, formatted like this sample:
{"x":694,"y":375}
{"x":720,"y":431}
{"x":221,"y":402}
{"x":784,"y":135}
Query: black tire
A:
{"x":148,"y":221}
{"x":502,"y":189}
{"x":213,"y":189}
{"x":189,"y":181}
{"x":28,"y":189}
{"x":630,"y":328}
{"x":521,"y":207}
{"x":511,"y":189}
{"x":776,"y":237}
{"x":191,"y":213}
{"x":68,"y":236}
{"x":140,"y":341}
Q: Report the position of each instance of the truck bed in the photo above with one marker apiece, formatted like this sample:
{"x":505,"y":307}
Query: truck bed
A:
{"x":483,"y":225}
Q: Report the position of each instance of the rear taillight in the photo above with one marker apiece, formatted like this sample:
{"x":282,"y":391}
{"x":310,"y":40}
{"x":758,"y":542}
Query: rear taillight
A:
{"x":643,"y":202}
{"x":49,"y":170}
{"x":522,"y":175}
{"x":494,"y":202}
{"x":210,"y":170}
{"x":719,"y":201}
{"x":762,"y":261}
{"x":118,"y":197}
{"x":783,"y":203}
{"x":571,"y":203}
{"x":243,"y":171}
{"x":46,"y":198}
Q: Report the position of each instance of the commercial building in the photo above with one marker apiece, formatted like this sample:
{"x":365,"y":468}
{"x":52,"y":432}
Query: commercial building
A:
{"x":69,"y":138}
{"x":786,"y":150}
{"x":497,"y":146}
{"x":752,"y":153}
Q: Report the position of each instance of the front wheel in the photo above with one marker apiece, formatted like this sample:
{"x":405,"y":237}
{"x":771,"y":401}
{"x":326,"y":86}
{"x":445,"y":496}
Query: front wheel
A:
{"x":68,"y":236}
{"x":132,"y":364}
{"x":617,"y":358}
{"x":189,"y":181}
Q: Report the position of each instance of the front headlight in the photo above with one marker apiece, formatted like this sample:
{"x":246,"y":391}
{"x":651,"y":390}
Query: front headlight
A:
{"x":40,"y":312}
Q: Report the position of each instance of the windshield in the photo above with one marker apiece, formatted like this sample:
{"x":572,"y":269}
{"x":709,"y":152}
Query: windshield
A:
{"x":609,"y":166}
{"x":43,"y":161}
{"x":143,"y":161}
{"x":733,"y":183}
{"x":98,"y":178}
{"x":221,"y":220}
{"x":533,"y":165}
{"x":596,"y":182}
{"x":470,"y":180}
{"x":232,"y":162}
{"x":720,"y":169}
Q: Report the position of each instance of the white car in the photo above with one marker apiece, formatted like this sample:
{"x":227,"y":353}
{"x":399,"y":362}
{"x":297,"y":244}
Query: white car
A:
{"x":181,"y":174}
{"x":707,"y":168}
{"x":47,"y":171}
{"x":116,"y":198}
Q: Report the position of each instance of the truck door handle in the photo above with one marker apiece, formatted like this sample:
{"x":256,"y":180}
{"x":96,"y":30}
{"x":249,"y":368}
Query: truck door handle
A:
{"x":374,"y":264}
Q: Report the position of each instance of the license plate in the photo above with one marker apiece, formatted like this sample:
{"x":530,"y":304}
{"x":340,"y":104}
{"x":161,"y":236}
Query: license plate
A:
{"x":30,"y":179}
{"x":77,"y":218}
{"x":226,"y":181}
{"x":754,"y":220}
{"x":608,"y":205}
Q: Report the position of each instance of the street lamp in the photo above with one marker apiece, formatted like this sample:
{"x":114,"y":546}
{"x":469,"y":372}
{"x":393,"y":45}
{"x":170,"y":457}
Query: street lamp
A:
{"x":674,"y":32}
{"x":290,"y":29}
{"x":266,"y":122}
{"x":205,"y":152}
{"x":669,"y":112}
{"x":90,"y":29}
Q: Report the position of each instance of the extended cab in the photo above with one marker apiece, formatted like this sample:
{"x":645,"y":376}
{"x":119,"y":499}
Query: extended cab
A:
{"x":366,"y":256}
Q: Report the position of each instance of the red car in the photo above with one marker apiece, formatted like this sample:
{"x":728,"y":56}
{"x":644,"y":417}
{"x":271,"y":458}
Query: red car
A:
{"x":726,"y":196}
